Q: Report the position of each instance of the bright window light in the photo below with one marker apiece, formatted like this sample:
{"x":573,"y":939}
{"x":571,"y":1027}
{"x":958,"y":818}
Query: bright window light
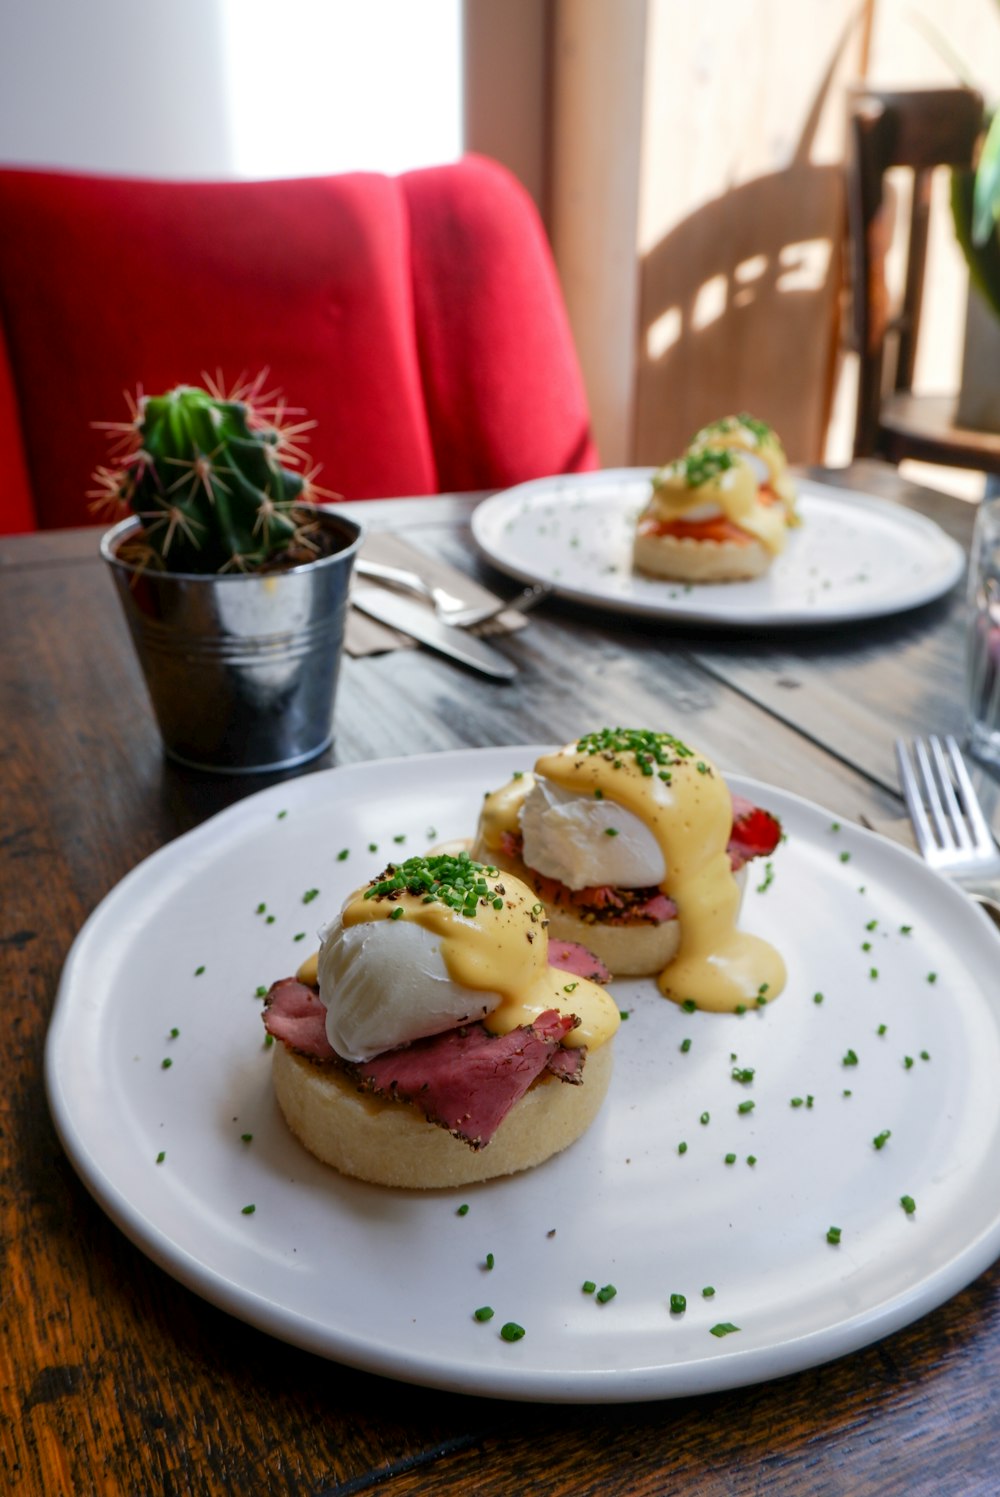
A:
{"x":317,"y":86}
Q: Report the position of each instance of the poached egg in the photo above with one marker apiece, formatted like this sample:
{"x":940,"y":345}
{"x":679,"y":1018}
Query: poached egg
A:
{"x":440,"y":941}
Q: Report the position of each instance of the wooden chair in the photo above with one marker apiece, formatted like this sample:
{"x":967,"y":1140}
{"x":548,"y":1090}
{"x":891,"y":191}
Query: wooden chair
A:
{"x":919,"y":129}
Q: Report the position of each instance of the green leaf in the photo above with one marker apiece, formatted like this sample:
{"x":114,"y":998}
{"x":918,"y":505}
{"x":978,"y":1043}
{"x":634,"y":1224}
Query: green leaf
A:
{"x":986,"y":194}
{"x":983,"y":259}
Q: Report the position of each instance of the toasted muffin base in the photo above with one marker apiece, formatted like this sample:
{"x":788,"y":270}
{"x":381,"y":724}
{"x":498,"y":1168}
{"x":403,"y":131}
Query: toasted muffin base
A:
{"x":682,"y":559}
{"x":392,"y":1143}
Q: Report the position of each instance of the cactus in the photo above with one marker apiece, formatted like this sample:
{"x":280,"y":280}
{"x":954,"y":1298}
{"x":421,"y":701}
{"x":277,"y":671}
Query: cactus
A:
{"x":208,"y":476}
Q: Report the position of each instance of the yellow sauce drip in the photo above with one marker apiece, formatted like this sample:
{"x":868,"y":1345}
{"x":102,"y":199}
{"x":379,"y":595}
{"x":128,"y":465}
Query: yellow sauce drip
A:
{"x":733,"y":492}
{"x":717,"y":965}
{"x":502,"y":951}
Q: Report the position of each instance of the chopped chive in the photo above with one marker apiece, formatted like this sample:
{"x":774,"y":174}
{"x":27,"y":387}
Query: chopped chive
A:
{"x":908,"y":1204}
{"x":746,"y":1107}
{"x":682,"y":1148}
{"x":751,"y":1159}
{"x":907,"y":1062}
{"x":300,"y":936}
{"x":485,"y":1312}
{"x":490,"y":1260}
{"x":817,"y":997}
{"x":260,"y":991}
{"x":882,"y":1029}
{"x":588,"y":1286}
{"x":925,"y":1055}
{"x":730,"y":1159}
{"x":881,"y":1139}
{"x":689,"y":1006}
{"x":397,"y":913}
{"x":246,"y":1137}
{"x":174,"y":1033}
{"x":198,"y":971}
{"x":678,"y":1304}
{"x":850,"y":1059}
{"x":607,"y":1292}
{"x":705,"y":1118}
{"x":462,"y":1210}
{"x":833,"y":1235}
{"x":932,"y":977}
{"x":373,"y":847}
{"x":512,"y":1331}
{"x":310,"y":895}
{"x":845,"y":857}
{"x":685,"y":1046}
{"x":708,"y":1292}
{"x":260,"y":909}
{"x":724,"y":1328}
{"x":269,"y":920}
{"x":161,"y":1156}
{"x":249,"y":1210}
{"x":166,"y":1063}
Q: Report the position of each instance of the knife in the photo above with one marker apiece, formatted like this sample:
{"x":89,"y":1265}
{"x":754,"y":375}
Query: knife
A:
{"x":413,"y":619}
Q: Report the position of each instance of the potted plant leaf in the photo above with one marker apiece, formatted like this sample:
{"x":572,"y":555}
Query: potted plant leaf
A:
{"x":233,"y":577}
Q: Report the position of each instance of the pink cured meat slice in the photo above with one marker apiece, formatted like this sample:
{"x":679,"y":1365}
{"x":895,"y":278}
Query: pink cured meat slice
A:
{"x":468,"y":1079}
{"x":570,"y":956}
{"x":294,"y":1014}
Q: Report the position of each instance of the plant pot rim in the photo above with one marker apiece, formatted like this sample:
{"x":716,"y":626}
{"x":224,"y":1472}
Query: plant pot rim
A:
{"x":112,"y":539}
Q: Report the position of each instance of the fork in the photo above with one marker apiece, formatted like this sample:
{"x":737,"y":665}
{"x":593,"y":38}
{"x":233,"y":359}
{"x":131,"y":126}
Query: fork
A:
{"x":952,"y":832}
{"x":449,"y":609}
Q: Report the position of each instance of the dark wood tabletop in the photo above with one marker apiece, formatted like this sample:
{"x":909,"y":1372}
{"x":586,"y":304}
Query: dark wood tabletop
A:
{"x":117,"y":1379}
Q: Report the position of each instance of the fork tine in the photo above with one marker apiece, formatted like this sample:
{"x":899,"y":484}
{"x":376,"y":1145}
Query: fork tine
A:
{"x":956,"y":819}
{"x":981,"y":833}
{"x":914,"y":800}
{"x":932,"y":795}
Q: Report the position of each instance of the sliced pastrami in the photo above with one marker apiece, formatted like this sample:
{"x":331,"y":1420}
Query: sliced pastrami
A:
{"x":468,"y":1079}
{"x":465,"y":1080}
{"x":294,"y":1014}
{"x":570,"y":956}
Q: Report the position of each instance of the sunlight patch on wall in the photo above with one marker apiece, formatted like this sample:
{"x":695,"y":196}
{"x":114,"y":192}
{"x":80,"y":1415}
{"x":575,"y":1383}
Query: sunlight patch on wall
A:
{"x":662,"y":334}
{"x":710,"y":302}
{"x":804,"y":266}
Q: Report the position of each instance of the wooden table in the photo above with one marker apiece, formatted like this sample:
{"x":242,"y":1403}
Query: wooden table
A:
{"x":114,"y":1377}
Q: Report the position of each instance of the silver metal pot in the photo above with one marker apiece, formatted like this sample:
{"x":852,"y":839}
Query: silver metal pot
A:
{"x":241,"y":669}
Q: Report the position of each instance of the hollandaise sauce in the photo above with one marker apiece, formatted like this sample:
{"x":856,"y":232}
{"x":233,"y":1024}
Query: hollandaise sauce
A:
{"x":685,"y":802}
{"x":493,"y":938}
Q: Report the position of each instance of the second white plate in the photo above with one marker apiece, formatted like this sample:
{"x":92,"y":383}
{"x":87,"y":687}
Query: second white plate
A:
{"x":854,"y":556}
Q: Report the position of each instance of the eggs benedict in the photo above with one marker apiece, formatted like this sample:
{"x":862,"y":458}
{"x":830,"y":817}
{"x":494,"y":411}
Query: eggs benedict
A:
{"x":633,"y":842}
{"x":430,"y":1040}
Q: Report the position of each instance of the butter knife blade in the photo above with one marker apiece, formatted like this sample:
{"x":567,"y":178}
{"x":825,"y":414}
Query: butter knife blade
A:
{"x":416,"y":621}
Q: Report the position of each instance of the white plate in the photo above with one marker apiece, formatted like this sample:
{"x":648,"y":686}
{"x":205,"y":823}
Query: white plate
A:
{"x":853,"y":557}
{"x":388,"y":1280}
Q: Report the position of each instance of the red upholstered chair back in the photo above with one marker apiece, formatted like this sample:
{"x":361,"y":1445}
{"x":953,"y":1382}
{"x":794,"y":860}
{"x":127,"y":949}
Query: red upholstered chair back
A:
{"x":417,"y":319}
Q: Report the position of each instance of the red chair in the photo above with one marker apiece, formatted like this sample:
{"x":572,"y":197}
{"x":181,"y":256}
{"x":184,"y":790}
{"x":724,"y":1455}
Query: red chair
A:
{"x":417,"y":320}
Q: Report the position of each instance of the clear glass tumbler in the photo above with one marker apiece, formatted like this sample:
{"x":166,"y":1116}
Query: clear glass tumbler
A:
{"x":983,"y":635}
